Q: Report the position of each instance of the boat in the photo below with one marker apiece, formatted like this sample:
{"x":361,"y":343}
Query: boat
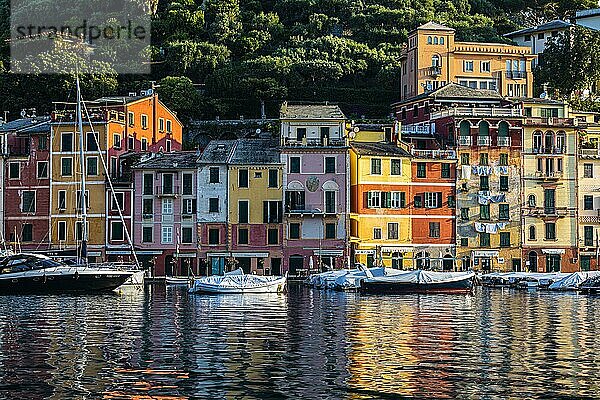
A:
{"x":238,"y":282}
{"x":37,"y":273}
{"x":177,"y":280}
{"x":419,"y":281}
{"x":574,"y":280}
{"x":590,"y":285}
{"x":347,"y":279}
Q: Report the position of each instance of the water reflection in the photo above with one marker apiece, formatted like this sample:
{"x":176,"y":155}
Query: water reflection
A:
{"x":164,"y":343}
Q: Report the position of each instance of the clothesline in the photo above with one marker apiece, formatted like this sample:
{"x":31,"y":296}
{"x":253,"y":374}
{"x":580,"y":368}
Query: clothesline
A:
{"x":490,"y":228}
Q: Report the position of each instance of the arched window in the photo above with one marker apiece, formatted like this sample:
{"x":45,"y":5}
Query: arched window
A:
{"x":436,"y":61}
{"x":548,"y":142}
{"x":465,"y":128}
{"x":532,"y":261}
{"x":503,"y":129}
{"x":435,"y":40}
{"x":532,"y":232}
{"x":537,"y":141}
{"x":442,"y":40}
{"x":397,"y":260}
{"x":531,"y":200}
{"x":561,"y":142}
{"x":423,"y":261}
{"x":484,"y":128}
{"x":428,"y":39}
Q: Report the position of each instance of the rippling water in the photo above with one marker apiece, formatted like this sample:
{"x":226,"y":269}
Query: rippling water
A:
{"x":164,"y":343}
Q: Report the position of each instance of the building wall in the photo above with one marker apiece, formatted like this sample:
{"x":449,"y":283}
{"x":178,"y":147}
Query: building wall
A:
{"x":589,"y":186}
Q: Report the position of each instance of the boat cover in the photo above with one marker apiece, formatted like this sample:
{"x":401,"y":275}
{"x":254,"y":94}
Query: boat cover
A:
{"x":238,"y":280}
{"x":424,"y":277}
{"x":346,"y":279}
{"x":572,"y":281}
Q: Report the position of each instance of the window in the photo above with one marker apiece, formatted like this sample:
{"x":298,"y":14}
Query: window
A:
{"x":242,"y":235}
{"x":130,"y":118}
{"x":62,"y":199}
{"x":398,"y":199}
{"x":435,"y":40}
{"x":272,"y":212}
{"x":294,"y":230}
{"x":483,"y":159}
{"x":144,"y":121}
{"x":117,"y":201}
{"x":258,"y":175}
{"x":213,"y":204}
{"x":484,"y":211}
{"x":187,"y":184}
{"x":117,"y":141}
{"x":392,"y":230}
{"x":116,"y":230}
{"x":464,"y":242}
{"x":468,"y":66}
{"x":42,"y":143}
{"x":295,"y":165}
{"x":588,"y":202}
{"x":213,"y":236}
{"x":79,"y":230}
{"x":147,"y":236}
{"x":148,"y":208}
{"x":28,"y":201}
{"x":435,"y":61}
{"x":503,"y":159}
{"x":532,"y":232}
{"x":214,"y":174}
{"x":114,"y":166}
{"x":324,"y":131}
{"x":550,"y":231}
{"x":484,"y":239}
{"x":167,"y":234}
{"x":485,"y":66}
{"x":540,"y":164}
{"x":167,"y":183}
{"x":14,"y":170}
{"x":189,"y":206}
{"x":373,"y":199}
{"x":273,"y":236}
{"x":294,"y":200}
{"x":167,"y":206}
{"x":169,"y":122}
{"x":541,"y":36}
{"x":504,"y":183}
{"x":376,"y":233}
{"x":484,"y":128}
{"x":330,"y":204}
{"x":300,"y":134}
{"x":465,"y":128}
{"x":62,"y":230}
{"x":91,"y":142}
{"x":375,"y":166}
{"x":144,"y":144}
{"x":91,"y":166}
{"x":330,"y":230}
{"x":464,"y":158}
{"x":396,"y":167}
{"x":421,"y":170}
{"x":186,"y":234}
{"x":130,"y":143}
{"x":434,"y":229}
{"x":42,"y":169}
{"x":148,"y":180}
{"x":504,"y":239}
{"x":503,"y":212}
{"x":445,"y":170}
{"x":451,"y":201}
{"x":78,"y":199}
{"x":588,"y":236}
{"x":429,"y":40}
{"x":168,"y":145}
{"x":418,"y":201}
{"x":66,"y":166}
{"x":66,"y":142}
{"x":588,"y":170}
{"x":243,"y":210}
{"x":442,"y":40}
{"x":531,"y":200}
{"x":528,"y":38}
{"x":464,"y":213}
{"x":484,"y":182}
{"x":549,"y":201}
{"x":433,"y":199}
{"x":273,"y":178}
{"x":161,"y":124}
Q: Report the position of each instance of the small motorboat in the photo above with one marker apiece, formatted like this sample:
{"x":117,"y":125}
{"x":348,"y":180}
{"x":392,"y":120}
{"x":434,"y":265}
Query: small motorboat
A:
{"x":590,"y":285}
{"x":238,"y":282}
{"x":419,"y":281}
{"x":177,"y":280}
{"x":36,"y":273}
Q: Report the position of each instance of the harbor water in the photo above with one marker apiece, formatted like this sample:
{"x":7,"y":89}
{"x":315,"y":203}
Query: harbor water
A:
{"x":163,"y":343}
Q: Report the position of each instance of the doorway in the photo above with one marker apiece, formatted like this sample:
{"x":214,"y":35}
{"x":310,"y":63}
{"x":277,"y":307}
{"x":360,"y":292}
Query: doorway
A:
{"x":553,"y":263}
{"x":296,"y":264}
{"x":532,"y":261}
{"x":448,"y":263}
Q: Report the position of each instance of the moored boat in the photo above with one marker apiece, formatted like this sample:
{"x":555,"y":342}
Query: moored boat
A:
{"x":419,"y":282}
{"x":34,"y":273}
{"x":237,"y":282}
{"x":177,"y":280}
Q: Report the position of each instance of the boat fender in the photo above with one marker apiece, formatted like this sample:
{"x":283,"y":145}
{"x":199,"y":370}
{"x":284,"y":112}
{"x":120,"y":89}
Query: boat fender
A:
{"x":45,"y":278}
{"x":76,"y":275}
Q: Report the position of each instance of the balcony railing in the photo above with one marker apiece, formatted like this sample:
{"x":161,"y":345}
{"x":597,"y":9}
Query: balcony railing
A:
{"x":503,"y":141}
{"x":20,"y":150}
{"x":478,"y":112}
{"x":314,"y":142}
{"x":465,"y":140}
{"x":516,"y":74}
{"x":433,"y":71}
{"x":167,"y":191}
{"x":549,"y":121}
{"x":549,"y":150}
{"x":304,"y":209}
{"x":549,"y":174}
{"x":484,"y":140}
{"x":418,"y":129}
{"x":435,"y":154}
{"x":589,"y":152}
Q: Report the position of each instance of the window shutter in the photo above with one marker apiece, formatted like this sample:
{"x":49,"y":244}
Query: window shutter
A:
{"x":194,"y":202}
{"x":388,"y":199}
{"x":439,"y":200}
{"x":368,"y":194}
{"x":402,"y":199}
{"x":265,"y":212}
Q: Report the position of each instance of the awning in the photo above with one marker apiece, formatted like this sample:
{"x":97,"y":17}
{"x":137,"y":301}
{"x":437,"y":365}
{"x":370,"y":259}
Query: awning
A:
{"x":249,"y":254}
{"x":148,"y":252}
{"x":94,"y":253}
{"x":553,"y":251}
{"x":399,"y":249}
{"x":364,"y":252}
{"x":328,"y":252}
{"x":185,"y":255}
{"x":485,"y":253}
{"x":119,"y":252}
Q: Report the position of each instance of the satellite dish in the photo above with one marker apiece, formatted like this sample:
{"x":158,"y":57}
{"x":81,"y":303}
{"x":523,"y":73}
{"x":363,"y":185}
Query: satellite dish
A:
{"x":355,"y":129}
{"x":258,"y":131}
{"x":543,"y":95}
{"x":149,"y":91}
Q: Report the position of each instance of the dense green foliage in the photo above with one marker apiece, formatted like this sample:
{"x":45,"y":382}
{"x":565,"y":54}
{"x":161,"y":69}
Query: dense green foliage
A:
{"x":222,"y":57}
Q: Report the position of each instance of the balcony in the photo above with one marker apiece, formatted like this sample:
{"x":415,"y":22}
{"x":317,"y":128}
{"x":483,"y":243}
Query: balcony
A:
{"x":589,"y":153}
{"x":503,"y":141}
{"x":19,"y":149}
{"x":549,"y":121}
{"x":434,"y":71}
{"x":418,"y":129}
{"x":549,"y":175}
{"x":478,"y":112}
{"x":484,"y":140}
{"x":465,"y":140}
{"x":434,"y":154}
{"x":314,"y":142}
{"x":301,"y":209}
{"x":167,"y":191}
{"x":516,"y":74}
{"x":549,"y":150}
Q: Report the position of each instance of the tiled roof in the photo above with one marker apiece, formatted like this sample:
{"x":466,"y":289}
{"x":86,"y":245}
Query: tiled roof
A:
{"x":119,"y":99}
{"x":311,"y":111}
{"x":435,"y":26}
{"x":20,"y":124}
{"x":256,"y":151}
{"x":217,"y":151}
{"x":548,"y":26}
{"x":456,"y":91}
{"x":175,"y":160}
{"x":379,"y":149}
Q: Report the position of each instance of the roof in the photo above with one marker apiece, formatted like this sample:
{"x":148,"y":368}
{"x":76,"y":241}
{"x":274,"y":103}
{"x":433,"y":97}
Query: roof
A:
{"x":120,"y":99}
{"x":175,"y":160}
{"x":379,"y":149}
{"x":217,"y":151}
{"x":455,"y":91}
{"x":592,"y":12}
{"x":373,"y":127}
{"x":310,"y":111}
{"x":536,"y":100}
{"x":256,"y":151}
{"x":548,"y":26}
{"x":435,"y":27}
{"x":21,"y":124}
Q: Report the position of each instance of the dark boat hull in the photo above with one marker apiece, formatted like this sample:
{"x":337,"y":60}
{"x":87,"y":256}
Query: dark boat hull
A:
{"x":64,"y":283}
{"x":375,"y":287}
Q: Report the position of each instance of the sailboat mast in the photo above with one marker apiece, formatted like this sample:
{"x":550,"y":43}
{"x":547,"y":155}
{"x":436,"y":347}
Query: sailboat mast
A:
{"x":84,"y":233}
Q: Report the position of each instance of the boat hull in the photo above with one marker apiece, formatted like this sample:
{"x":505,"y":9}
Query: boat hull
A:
{"x":277,"y":286}
{"x":63,"y":283}
{"x":374,"y":287}
{"x":171,"y":280}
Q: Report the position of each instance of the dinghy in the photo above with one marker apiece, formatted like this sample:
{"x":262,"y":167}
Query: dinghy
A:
{"x":419,"y":282}
{"x":239,"y":282}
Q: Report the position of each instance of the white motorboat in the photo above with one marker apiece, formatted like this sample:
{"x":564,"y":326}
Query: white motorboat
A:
{"x":238,"y":282}
{"x":177,"y":280}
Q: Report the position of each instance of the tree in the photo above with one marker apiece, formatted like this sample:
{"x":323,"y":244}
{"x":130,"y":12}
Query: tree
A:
{"x":179,"y":94}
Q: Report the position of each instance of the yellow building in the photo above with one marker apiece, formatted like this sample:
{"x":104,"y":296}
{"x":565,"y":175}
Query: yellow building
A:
{"x":549,"y":200}
{"x":255,"y":229}
{"x":433,"y":59}
{"x":380,"y":175}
